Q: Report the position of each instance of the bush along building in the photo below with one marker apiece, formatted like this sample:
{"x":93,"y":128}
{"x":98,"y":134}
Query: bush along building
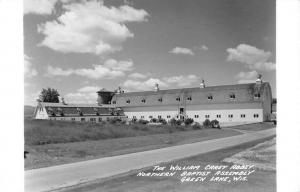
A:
{"x":77,"y":112}
{"x":228,"y":104}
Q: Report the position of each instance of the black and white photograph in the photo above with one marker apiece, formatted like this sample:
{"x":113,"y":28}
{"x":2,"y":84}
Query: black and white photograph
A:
{"x":152,"y":96}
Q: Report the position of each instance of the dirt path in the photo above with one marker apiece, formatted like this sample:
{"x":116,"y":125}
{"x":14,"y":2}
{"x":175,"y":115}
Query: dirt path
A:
{"x":51,"y":178}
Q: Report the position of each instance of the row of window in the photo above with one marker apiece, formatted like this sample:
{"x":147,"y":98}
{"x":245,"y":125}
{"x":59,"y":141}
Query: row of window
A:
{"x":92,"y":119}
{"x":197,"y":116}
{"x":209,"y":97}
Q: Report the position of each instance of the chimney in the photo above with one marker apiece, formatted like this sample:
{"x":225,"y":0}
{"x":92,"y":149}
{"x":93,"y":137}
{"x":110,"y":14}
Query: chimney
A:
{"x":258,"y":80}
{"x":202,"y":84}
{"x":156,"y":87}
{"x":119,"y":90}
{"x":63,"y":101}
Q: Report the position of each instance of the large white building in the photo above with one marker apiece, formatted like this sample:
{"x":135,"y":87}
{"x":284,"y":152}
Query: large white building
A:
{"x":229,"y":104}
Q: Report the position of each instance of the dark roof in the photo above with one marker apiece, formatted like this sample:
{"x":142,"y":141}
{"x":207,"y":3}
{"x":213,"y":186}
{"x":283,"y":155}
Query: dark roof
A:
{"x":221,"y":94}
{"x":60,"y":109}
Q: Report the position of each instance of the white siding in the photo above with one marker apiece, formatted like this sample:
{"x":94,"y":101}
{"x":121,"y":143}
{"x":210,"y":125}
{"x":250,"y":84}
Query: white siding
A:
{"x":41,"y":113}
{"x":236,"y":115}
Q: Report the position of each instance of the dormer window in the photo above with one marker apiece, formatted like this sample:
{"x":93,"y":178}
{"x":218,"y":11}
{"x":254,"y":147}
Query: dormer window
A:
{"x":143,"y":100}
{"x":189,"y":98}
{"x":177,"y":98}
{"x":256,"y":95}
{"x":79,"y":112}
{"x":232,"y":96}
{"x":127,"y":101}
{"x":160,"y":99}
{"x":210,"y":97}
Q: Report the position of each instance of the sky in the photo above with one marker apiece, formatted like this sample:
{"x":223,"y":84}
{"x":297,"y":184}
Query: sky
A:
{"x":79,"y":47}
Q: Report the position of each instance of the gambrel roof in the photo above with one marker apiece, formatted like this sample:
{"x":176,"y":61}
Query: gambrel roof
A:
{"x":238,"y":93}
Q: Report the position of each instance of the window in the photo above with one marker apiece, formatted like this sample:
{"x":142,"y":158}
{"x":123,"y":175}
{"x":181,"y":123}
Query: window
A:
{"x":168,"y":116}
{"x":256,"y":95}
{"x":99,"y":119}
{"x":177,"y":98}
{"x":256,"y":115}
{"x":159,"y":116}
{"x":143,"y":100}
{"x":92,"y":119}
{"x":230,"y":116}
{"x":243,"y":115}
{"x":142,"y":117}
{"x":196,"y":116}
{"x":218,"y":116}
{"x":114,"y":102}
{"x":189,"y":98}
{"x":160,"y":99}
{"x":150,"y":117}
{"x":210,"y":97}
{"x":232,"y":96}
{"x":127,"y":101}
{"x":73,"y":119}
{"x":82,"y":119}
{"x":206,"y":116}
{"x":134,"y":117}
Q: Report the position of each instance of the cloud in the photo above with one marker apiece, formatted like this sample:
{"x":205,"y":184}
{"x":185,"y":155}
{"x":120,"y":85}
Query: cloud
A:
{"x":137,"y":76}
{"x":29,"y":71}
{"x":204,"y":48}
{"x":119,"y":65}
{"x":253,"y":57}
{"x":163,"y":82}
{"x":143,"y":85}
{"x":247,"y":77}
{"x":109,"y":70}
{"x":181,"y":80}
{"x":181,"y":50}
{"x":90,"y":27}
{"x":83,"y":95}
{"x":40,"y":7}
{"x":89,"y":89}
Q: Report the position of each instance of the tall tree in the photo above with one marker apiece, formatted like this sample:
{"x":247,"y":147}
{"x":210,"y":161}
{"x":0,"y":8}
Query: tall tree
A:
{"x":49,"y":95}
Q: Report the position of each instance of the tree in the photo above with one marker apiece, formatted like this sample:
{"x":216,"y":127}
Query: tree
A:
{"x":49,"y":95}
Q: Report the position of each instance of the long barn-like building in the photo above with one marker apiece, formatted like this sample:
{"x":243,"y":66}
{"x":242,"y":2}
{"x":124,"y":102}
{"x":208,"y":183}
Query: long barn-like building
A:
{"x":229,"y":104}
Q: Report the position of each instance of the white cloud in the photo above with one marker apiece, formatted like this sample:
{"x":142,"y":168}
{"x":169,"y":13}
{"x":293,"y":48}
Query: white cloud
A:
{"x":109,"y":70}
{"x":181,"y":80}
{"x":119,"y":65}
{"x":144,"y":85}
{"x":90,"y":27}
{"x":181,"y":50}
{"x":89,"y":89}
{"x":41,"y":7}
{"x":137,"y":76}
{"x":247,"y":77}
{"x":83,"y":95}
{"x":204,"y":47}
{"x":163,"y":83}
{"x":253,"y":57}
{"x":29,"y":71}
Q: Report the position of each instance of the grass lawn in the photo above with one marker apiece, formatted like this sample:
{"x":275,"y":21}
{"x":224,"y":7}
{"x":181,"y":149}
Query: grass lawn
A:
{"x":60,"y":153}
{"x":260,"y":181}
{"x":254,"y":126}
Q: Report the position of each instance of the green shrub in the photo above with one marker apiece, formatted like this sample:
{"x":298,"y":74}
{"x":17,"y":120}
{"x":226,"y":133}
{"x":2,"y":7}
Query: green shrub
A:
{"x":143,"y":121}
{"x":188,"y":121}
{"x":162,"y":121}
{"x":154,"y":120}
{"x":206,"y":123}
{"x":196,"y":126}
{"x":215,"y":124}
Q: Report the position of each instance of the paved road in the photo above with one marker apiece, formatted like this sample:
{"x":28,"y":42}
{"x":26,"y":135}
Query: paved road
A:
{"x":51,"y":178}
